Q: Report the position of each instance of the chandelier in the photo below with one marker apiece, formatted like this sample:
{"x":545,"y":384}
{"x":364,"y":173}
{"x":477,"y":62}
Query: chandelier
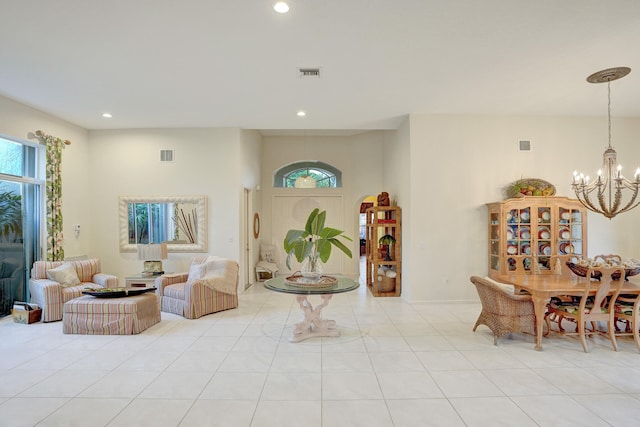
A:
{"x":609,"y":183}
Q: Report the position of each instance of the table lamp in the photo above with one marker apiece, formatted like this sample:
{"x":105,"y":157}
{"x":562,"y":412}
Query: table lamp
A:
{"x":152,"y":254}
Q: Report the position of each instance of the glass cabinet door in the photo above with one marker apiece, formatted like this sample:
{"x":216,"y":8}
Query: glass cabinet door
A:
{"x":570,"y":232}
{"x":519,"y":239}
{"x":544,"y":237}
{"x":494,"y":240}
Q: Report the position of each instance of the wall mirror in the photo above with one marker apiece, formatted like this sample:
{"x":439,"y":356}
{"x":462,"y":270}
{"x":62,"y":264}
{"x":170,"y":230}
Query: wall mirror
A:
{"x":181,"y":221}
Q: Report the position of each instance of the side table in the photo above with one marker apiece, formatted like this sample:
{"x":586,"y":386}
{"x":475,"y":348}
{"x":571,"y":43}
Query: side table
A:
{"x":139,"y":281}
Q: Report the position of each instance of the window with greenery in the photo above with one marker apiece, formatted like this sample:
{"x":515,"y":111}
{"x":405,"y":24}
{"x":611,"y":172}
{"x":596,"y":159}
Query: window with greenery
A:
{"x":20,"y":214}
{"x":17,"y":159}
{"x":148,"y":223}
{"x":325,"y":175}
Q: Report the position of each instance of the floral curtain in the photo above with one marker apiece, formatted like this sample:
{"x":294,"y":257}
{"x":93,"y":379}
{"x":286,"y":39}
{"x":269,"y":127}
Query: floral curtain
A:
{"x":54,"y":145}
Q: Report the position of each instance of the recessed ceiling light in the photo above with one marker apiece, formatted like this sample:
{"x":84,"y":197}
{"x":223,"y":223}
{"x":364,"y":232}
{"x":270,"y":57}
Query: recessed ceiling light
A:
{"x":281,"y":7}
{"x":106,"y":115}
{"x":301,"y":113}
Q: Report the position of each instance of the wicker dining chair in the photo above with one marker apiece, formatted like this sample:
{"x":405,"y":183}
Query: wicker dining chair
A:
{"x":503,"y":311}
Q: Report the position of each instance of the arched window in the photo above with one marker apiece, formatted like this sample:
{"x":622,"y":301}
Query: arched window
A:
{"x":324,"y":175}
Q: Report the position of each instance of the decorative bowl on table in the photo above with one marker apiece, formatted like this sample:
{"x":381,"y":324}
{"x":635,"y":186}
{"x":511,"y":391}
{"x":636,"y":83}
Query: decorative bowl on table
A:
{"x":580,"y":268}
{"x":297,"y":279}
{"x":116,"y":292}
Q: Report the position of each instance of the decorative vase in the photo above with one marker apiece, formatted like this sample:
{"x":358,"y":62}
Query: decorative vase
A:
{"x":311,"y":268}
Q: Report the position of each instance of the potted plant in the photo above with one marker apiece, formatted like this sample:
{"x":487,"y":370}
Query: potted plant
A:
{"x":387,"y":240}
{"x":312,"y":245}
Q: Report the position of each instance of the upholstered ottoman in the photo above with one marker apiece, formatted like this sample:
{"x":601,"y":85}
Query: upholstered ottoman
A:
{"x":110,"y":316}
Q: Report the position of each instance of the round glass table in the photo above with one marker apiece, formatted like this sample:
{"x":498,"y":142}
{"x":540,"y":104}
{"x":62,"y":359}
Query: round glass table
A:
{"x":313,"y":325}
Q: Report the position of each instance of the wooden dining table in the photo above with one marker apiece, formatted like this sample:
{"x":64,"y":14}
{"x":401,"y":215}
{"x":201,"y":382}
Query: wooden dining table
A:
{"x":543,"y":287}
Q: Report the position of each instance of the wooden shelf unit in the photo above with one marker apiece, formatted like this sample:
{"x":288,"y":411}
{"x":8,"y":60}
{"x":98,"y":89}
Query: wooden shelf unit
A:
{"x":383,"y":220}
{"x":535,"y":235}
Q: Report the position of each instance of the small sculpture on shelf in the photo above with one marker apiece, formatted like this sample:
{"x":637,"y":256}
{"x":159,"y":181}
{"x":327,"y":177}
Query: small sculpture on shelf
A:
{"x":383,"y":199}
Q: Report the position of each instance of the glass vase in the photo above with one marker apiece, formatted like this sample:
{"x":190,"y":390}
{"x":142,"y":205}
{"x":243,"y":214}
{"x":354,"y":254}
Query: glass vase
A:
{"x":312,"y":269}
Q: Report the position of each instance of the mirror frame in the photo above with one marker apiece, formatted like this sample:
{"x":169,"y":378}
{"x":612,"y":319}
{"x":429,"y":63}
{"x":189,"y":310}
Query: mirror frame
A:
{"x":201,"y":211}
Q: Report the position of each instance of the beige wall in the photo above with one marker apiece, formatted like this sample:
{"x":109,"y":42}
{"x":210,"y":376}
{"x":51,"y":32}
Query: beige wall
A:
{"x":441,"y":170}
{"x":397,"y":181}
{"x":18,"y":121}
{"x":210,"y":162}
{"x":359,"y":157}
{"x":459,"y":163}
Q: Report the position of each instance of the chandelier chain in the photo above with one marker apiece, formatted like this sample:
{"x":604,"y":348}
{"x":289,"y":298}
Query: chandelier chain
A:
{"x":609,"y":109}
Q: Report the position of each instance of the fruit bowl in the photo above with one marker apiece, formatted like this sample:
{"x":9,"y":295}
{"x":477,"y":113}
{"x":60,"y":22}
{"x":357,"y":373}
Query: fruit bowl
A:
{"x":530,"y":187}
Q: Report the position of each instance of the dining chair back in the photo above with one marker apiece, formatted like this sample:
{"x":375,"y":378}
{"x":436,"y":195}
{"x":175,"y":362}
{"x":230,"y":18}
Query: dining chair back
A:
{"x":590,"y":308}
{"x":627,"y":310}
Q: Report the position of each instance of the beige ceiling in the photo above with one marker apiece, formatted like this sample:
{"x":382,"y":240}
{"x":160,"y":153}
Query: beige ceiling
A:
{"x":202,"y":63}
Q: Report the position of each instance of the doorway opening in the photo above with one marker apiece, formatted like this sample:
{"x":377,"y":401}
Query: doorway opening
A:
{"x":367,"y":202}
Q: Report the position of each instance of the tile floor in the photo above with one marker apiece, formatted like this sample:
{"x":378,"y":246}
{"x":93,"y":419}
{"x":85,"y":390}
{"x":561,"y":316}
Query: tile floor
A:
{"x":396,"y":364}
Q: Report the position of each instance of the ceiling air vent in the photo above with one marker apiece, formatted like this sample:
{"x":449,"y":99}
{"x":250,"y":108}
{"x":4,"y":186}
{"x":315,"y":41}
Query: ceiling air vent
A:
{"x":166,"y":156}
{"x":305,"y":73}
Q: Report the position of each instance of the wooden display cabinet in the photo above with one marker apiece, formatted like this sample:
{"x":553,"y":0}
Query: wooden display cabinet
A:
{"x":536,"y":235}
{"x":383,"y":220}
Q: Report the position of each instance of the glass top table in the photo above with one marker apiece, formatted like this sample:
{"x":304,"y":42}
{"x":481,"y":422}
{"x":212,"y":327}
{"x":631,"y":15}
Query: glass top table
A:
{"x":279,"y":284}
{"x":313,"y":325}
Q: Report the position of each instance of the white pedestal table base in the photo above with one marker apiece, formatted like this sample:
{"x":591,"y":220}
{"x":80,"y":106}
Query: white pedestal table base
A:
{"x":313,"y":324}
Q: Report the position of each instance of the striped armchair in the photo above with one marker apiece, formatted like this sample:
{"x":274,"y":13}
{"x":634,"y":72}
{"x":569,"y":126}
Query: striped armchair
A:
{"x":51,"y":295}
{"x":211,"y":285}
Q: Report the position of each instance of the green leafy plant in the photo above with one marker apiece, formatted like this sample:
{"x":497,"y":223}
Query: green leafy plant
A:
{"x":10,"y":215}
{"x":315,"y":241}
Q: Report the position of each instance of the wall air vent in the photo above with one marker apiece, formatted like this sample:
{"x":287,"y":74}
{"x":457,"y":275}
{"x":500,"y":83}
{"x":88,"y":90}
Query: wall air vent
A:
{"x":525,"y":145}
{"x":307,"y":72}
{"x":166,"y":156}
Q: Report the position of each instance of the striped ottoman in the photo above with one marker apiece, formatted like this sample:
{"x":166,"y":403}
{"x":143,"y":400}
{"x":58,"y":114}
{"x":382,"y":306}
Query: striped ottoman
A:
{"x":110,"y":316}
